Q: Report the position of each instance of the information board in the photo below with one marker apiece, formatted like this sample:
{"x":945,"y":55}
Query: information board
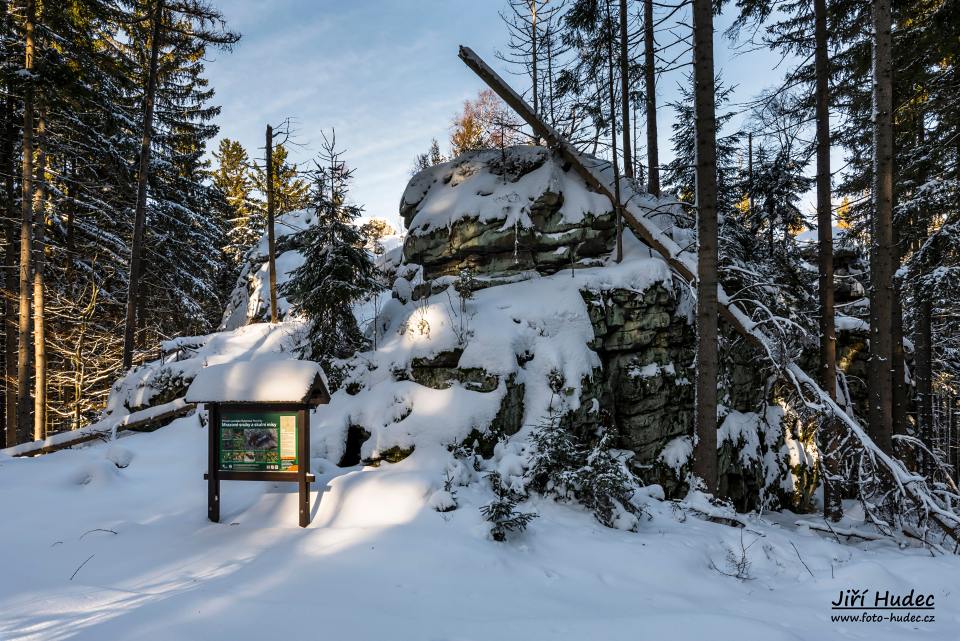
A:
{"x":258,"y":441}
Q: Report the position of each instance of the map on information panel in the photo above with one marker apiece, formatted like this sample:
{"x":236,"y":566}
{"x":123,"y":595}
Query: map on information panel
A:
{"x":258,"y":441}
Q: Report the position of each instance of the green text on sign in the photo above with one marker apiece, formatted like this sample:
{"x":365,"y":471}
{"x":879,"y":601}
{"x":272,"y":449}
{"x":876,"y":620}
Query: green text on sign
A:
{"x":258,"y":441}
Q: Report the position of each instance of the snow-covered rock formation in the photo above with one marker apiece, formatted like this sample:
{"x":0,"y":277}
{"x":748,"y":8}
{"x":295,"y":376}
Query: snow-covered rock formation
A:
{"x":112,"y":539}
{"x":507,"y":308}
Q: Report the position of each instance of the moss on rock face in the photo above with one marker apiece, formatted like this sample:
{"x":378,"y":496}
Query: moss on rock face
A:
{"x":646,"y":350}
{"x":507,"y":422}
{"x":442,"y":371}
{"x":393,"y":454}
{"x":471,"y":378}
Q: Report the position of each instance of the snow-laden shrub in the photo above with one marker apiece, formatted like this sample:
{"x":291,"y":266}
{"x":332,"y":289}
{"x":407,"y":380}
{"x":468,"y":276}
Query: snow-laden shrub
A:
{"x":502,"y":512}
{"x":119,"y":456}
{"x":445,"y":500}
{"x":563,"y":466}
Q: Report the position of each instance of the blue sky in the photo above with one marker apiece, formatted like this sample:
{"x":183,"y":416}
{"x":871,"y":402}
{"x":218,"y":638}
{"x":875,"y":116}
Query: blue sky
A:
{"x":385,"y":75}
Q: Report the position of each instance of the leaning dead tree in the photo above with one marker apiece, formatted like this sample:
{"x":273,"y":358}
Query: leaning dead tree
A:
{"x":903,"y":492}
{"x":271,"y":237}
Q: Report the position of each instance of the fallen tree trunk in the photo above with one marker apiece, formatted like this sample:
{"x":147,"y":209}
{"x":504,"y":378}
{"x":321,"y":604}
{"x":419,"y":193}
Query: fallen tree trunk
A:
{"x":910,"y":485}
{"x":145,"y":420}
{"x":913,"y":486}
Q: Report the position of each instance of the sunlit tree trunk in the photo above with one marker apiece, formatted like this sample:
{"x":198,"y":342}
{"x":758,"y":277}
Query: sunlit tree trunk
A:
{"x":24,"y":423}
{"x":9,"y":309}
{"x":39,"y":324}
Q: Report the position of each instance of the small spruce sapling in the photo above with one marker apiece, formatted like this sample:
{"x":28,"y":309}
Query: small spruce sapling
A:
{"x":464,"y":285}
{"x":564,"y":467}
{"x":555,"y":458}
{"x":470,"y":454}
{"x":502,"y":512}
{"x":445,"y":500}
{"x":605,"y":487}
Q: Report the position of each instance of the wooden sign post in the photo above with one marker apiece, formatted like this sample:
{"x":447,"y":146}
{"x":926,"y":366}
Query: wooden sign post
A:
{"x":259,"y":432}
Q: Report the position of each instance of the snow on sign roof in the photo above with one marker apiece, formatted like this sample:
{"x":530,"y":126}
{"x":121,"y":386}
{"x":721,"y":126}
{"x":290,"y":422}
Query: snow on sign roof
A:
{"x":260,"y":381}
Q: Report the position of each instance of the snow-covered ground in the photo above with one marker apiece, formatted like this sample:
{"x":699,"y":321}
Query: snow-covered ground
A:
{"x":111,"y":541}
{"x":379,"y":563}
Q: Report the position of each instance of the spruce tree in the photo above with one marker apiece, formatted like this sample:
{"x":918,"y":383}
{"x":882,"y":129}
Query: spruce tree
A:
{"x":90,"y":59}
{"x":566,"y":467}
{"x":502,"y":511}
{"x":337,"y":270}
{"x":432,"y":157}
{"x":778,"y":183}
{"x":680,"y":173}
{"x":232,"y":177}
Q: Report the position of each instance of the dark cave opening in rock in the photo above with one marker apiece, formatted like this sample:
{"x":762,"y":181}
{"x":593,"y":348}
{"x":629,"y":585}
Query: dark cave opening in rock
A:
{"x":356,"y":437}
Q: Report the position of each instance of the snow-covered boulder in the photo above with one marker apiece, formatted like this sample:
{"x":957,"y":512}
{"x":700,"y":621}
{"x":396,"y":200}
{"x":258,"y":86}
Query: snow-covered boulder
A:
{"x":249,"y":301}
{"x":155,"y":383}
{"x":507,"y":211}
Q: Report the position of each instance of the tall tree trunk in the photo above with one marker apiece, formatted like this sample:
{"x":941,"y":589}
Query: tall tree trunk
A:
{"x":829,"y":431}
{"x":923,"y":370}
{"x":898,"y":370}
{"x":271,"y":239}
{"x":24,"y":422}
{"x":9,"y":437}
{"x":922,"y":338}
{"x":637,"y":163}
{"x":39,"y":333}
{"x":553,"y":116}
{"x":613,"y":132}
{"x":533,"y":57}
{"x":140,"y":215}
{"x":9,"y":309}
{"x":650,"y":84}
{"x":881,"y":246}
{"x":705,"y":450}
{"x":625,"y":91}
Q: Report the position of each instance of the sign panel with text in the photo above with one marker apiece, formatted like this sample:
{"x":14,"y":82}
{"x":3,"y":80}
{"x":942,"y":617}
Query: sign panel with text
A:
{"x":258,"y":441}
